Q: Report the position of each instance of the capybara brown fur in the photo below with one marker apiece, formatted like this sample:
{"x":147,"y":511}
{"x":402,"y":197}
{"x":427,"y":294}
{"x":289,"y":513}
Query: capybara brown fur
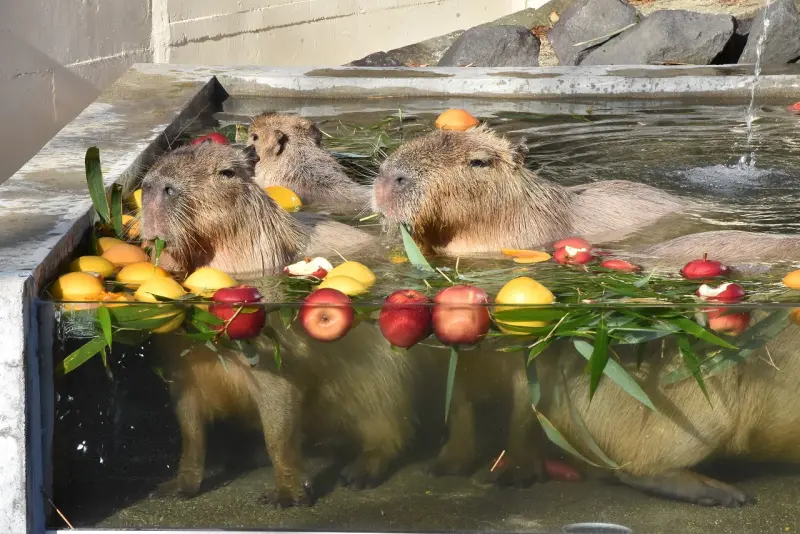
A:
{"x":469,"y":193}
{"x":203,"y":202}
{"x":291,"y":155}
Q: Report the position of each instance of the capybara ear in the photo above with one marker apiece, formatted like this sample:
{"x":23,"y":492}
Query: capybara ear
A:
{"x":251,"y":156}
{"x":316,"y":134}
{"x":519,"y":150}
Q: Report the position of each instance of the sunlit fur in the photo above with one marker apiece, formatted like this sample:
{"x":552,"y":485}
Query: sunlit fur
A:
{"x":469,"y":192}
{"x":291,"y":155}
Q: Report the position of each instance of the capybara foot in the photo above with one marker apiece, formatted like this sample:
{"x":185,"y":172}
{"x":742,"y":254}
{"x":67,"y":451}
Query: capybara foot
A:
{"x":448,"y":465}
{"x":513,"y":474}
{"x":368,"y":471}
{"x":285,"y":497}
{"x":689,"y":487}
{"x":177,"y":488}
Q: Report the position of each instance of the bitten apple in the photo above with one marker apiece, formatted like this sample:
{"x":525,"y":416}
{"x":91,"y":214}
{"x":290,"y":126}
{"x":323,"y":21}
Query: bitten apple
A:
{"x":727,"y":292}
{"x":214,"y":137}
{"x":733,"y":324}
{"x":327,"y":314}
{"x":572,"y":256}
{"x":574,"y":242}
{"x":405,"y":318}
{"x":704,"y":268}
{"x":317,"y":267}
{"x":243,"y":323}
{"x":460,"y":315}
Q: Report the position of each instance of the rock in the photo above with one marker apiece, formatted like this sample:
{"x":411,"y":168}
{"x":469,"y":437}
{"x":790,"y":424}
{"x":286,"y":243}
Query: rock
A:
{"x":584,"y":20}
{"x":378,"y":59}
{"x":782,"y":44}
{"x":667,"y":37}
{"x":427,"y":52}
{"x":733,"y":50}
{"x":493,"y":46}
{"x":533,"y":17}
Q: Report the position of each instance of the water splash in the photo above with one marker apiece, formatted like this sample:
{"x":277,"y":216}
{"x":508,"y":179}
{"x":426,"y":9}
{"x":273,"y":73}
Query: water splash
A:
{"x":749,"y":160}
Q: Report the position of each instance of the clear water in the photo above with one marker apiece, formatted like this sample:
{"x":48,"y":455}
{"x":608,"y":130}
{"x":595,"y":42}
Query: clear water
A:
{"x":117,"y":438}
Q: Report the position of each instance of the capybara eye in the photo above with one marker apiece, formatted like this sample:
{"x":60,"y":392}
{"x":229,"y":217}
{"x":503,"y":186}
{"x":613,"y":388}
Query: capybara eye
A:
{"x":228,"y":173}
{"x":479,"y":163}
{"x":254,"y":137}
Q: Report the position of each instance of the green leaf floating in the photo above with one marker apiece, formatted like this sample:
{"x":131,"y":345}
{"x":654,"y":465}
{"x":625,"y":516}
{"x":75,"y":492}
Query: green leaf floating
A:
{"x":691,"y":361}
{"x":416,"y":257}
{"x":555,"y":436}
{"x":94,"y":179}
{"x":105,"y":324}
{"x":599,"y":358}
{"x":615,"y":372}
{"x":81,"y":356}
{"x":691,"y":327}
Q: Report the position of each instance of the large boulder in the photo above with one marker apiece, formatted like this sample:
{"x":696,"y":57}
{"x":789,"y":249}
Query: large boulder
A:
{"x":585,"y":20}
{"x":377,"y":59}
{"x":673,"y":36}
{"x":494,"y":46}
{"x":782,"y":44}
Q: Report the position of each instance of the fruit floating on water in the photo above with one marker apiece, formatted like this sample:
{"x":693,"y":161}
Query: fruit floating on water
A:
{"x":405,"y":318}
{"x":205,"y":281}
{"x":354,"y":270}
{"x":118,"y":299}
{"x":125,"y":254}
{"x":578,"y":243}
{"x":522,"y":290}
{"x":326,"y":314}
{"x":620,"y":265}
{"x":456,"y":119}
{"x":165,"y":288}
{"x":572,"y":256}
{"x":77,"y":286}
{"x":214,"y":137}
{"x":794,"y":107}
{"x":241,"y":322}
{"x":131,"y":226}
{"x":106,"y":243}
{"x":346,"y":284}
{"x":285,"y":198}
{"x":705,"y":268}
{"x":732,"y":324}
{"x":92,"y":264}
{"x":792,"y":280}
{"x":139,"y":273}
{"x":460,"y":315}
{"x":727,"y":292}
{"x":525,"y":256}
{"x":316,"y":267}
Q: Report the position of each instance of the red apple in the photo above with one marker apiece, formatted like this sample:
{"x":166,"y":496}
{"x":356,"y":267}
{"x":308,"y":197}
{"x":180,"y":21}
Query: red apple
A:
{"x":705,"y":268}
{"x":214,"y":137}
{"x":405,"y":318}
{"x":574,"y":242}
{"x":460,"y":316}
{"x":727,"y":292}
{"x":732,"y":324}
{"x":327,"y":314}
{"x":558,"y":470}
{"x":620,"y":265}
{"x":572,"y":256}
{"x":241,"y":323}
{"x":316,"y":267}
{"x":794,"y":107}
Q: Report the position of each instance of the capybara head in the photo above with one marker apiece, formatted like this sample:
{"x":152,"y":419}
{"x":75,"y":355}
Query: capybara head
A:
{"x":447,"y":179}
{"x":271,"y":133}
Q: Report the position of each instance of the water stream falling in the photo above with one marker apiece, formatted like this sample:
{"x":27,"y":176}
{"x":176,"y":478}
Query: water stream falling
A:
{"x":748,"y":161}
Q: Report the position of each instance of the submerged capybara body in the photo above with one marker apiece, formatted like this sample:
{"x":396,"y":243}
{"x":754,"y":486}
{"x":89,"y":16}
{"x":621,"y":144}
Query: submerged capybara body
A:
{"x":203,"y":202}
{"x":291,"y":155}
{"x":468,"y":193}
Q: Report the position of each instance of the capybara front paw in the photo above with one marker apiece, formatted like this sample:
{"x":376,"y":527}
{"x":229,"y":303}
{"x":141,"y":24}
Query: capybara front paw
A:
{"x":285,"y":497}
{"x":176,"y":488}
{"x":364,"y":473}
{"x":446,"y":465}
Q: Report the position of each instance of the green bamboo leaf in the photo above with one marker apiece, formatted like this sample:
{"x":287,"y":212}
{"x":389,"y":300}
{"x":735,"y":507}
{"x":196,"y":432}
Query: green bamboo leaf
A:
{"x":116,"y":209}
{"x":105,"y":324}
{"x":599,"y":357}
{"x":415,"y":256}
{"x":555,"y":436}
{"x":537,"y":348}
{"x":206,"y":317}
{"x":136,"y":312}
{"x":287,"y":316}
{"x":81,"y":356}
{"x":691,"y":361}
{"x":451,"y":379}
{"x":94,"y":179}
{"x":201,"y":336}
{"x":158,"y":249}
{"x":615,"y":372}
{"x":276,"y":346}
{"x":534,"y":388}
{"x":694,"y":329}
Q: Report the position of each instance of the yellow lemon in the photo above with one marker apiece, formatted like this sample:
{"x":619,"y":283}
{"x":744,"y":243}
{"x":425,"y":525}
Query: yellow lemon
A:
{"x":286,"y":198}
{"x":356,"y":271}
{"x":522,"y":290}
{"x":131,"y":226}
{"x":167,"y":288}
{"x":125,"y":254}
{"x":105,"y":243}
{"x":347,"y":285}
{"x":117,"y":297}
{"x":136,"y":199}
{"x":77,"y":286}
{"x":92,"y":264}
{"x":456,"y":119}
{"x":206,"y":280}
{"x":140,"y":272}
{"x":792,"y":279}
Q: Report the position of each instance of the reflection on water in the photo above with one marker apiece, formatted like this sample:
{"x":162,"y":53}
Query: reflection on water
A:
{"x":117,"y":436}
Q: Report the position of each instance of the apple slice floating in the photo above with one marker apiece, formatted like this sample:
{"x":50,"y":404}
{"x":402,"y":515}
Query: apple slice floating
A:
{"x":620,"y":265}
{"x":317,"y":267}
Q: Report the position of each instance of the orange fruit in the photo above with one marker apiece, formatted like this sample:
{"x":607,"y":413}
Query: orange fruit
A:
{"x":522,"y":290}
{"x":77,"y":286}
{"x":286,"y":198}
{"x":131,"y":226}
{"x":139,"y":273}
{"x":456,"y":119}
{"x":125,"y":254}
{"x":792,"y":280}
{"x":205,"y":281}
{"x":135,"y":200}
{"x":167,"y":288}
{"x":794,"y":316}
{"x":92,"y":264}
{"x":105,"y":243}
{"x":117,"y":297}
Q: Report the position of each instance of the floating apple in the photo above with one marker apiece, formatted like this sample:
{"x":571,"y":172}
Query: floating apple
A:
{"x":572,"y":256}
{"x":732,"y":324}
{"x":620,"y":265}
{"x":327,"y":314}
{"x":460,"y":316}
{"x":705,"y":268}
{"x":241,"y":322}
{"x":214,"y":137}
{"x":794,"y":107}
{"x":405,"y":318}
{"x":316,"y":267}
{"x":573,"y":242}
{"x":727,"y":292}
